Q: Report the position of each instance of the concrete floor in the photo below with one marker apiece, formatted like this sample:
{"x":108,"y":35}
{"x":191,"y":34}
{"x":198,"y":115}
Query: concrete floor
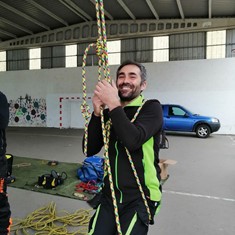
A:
{"x":198,"y":198}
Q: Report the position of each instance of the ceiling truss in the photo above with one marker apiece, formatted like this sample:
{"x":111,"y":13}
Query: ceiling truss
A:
{"x":65,"y":17}
{"x":116,"y":30}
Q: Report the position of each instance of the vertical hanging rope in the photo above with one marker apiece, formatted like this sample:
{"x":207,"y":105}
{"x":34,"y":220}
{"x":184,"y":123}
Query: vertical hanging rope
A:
{"x":102,"y":53}
{"x":85,"y":109}
{"x":134,"y":170}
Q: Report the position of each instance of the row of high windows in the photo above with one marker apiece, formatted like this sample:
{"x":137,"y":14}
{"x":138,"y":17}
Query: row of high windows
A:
{"x":157,"y":49}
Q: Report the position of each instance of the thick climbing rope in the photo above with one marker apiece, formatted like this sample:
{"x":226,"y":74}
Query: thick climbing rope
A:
{"x":47,"y":220}
{"x":134,"y":170}
{"x":102,"y":53}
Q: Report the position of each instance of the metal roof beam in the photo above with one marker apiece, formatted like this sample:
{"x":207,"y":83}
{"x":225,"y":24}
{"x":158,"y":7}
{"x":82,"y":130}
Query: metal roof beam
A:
{"x":10,"y":8}
{"x":15,"y":25}
{"x":180,"y":8}
{"x":152,"y":9}
{"x":78,"y":9}
{"x":7,"y":33}
{"x":120,"y":30}
{"x":106,"y":13}
{"x":209,"y":9}
{"x":127,"y":10}
{"x":44,"y":10}
{"x":73,"y":10}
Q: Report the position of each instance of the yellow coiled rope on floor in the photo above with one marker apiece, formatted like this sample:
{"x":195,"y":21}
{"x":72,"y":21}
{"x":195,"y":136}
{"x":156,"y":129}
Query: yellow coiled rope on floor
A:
{"x":48,"y":221}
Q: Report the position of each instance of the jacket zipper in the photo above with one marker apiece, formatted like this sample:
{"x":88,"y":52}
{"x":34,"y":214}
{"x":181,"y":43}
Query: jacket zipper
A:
{"x":116,"y":174}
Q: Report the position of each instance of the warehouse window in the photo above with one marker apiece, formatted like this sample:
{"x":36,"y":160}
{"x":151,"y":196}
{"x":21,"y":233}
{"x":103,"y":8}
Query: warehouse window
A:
{"x":216,"y":41}
{"x":114,"y":55}
{"x":161,"y":49}
{"x":71,"y":55}
{"x":3,"y":63}
{"x":35,"y":58}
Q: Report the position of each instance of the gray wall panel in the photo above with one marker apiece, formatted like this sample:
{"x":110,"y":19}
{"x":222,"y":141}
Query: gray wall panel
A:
{"x":140,"y":49}
{"x":187,"y":46}
{"x":53,"y":57}
{"x":17,"y":59}
{"x":230,"y":41}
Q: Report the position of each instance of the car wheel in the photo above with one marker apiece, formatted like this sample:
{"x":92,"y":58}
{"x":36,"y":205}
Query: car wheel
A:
{"x":203,"y":131}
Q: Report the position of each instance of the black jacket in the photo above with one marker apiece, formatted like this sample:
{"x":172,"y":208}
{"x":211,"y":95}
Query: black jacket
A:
{"x":141,"y":138}
{"x":5,"y":212}
{"x":4,"y":119}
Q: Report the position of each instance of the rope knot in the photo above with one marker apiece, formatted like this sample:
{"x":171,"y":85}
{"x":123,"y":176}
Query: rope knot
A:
{"x":85,"y":111}
{"x":100,"y":49}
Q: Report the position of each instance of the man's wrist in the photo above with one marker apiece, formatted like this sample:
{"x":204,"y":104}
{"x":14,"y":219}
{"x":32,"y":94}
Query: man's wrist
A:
{"x":96,"y":114}
{"x":114,"y":105}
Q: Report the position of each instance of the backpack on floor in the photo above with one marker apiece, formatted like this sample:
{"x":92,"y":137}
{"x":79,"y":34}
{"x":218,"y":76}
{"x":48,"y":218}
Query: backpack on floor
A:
{"x":92,"y":169}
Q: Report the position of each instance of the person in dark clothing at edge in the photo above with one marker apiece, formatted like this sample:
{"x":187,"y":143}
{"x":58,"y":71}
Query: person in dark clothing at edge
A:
{"x":141,"y":138}
{"x":5,"y":212}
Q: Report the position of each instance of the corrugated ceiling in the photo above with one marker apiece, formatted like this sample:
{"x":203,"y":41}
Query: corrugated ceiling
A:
{"x":20,"y":18}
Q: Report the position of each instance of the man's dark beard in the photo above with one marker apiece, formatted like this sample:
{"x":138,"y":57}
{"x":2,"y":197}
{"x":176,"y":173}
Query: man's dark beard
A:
{"x":128,"y":98}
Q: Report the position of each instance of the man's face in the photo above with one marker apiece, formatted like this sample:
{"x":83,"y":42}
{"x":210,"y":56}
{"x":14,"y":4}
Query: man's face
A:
{"x":129,"y":83}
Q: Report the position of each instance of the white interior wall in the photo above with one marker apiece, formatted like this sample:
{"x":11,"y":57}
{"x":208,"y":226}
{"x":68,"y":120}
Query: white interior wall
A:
{"x":204,"y":86}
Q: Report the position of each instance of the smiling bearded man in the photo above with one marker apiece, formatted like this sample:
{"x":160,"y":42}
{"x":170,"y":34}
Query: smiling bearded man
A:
{"x":135,"y":129}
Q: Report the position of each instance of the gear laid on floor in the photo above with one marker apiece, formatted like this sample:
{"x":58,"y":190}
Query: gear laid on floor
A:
{"x":47,"y":220}
{"x":53,"y":163}
{"x":10,"y":179}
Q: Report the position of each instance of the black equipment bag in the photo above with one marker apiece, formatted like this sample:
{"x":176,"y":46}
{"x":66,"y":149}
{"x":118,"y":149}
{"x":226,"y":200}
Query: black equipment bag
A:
{"x":51,"y":181}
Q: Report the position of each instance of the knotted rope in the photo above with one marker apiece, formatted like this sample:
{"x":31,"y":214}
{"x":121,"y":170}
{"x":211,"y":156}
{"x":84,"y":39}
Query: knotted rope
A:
{"x":102,"y":53}
{"x":47,"y":220}
{"x":134,"y":170}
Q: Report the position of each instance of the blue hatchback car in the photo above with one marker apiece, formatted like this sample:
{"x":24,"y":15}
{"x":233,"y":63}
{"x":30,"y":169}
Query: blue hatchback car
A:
{"x":178,"y":118}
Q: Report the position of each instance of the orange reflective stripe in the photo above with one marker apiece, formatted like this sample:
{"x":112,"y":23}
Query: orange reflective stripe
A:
{"x":1,"y":185}
{"x":10,"y":223}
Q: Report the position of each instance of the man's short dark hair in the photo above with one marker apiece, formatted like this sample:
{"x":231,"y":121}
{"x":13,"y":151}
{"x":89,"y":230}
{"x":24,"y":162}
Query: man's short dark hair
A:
{"x":143,"y":72}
